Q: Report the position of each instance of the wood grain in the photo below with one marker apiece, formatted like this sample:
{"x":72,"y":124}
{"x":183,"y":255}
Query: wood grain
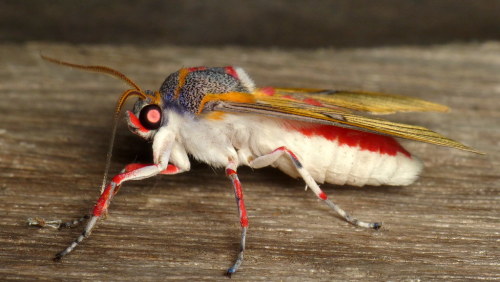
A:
{"x":54,"y":134}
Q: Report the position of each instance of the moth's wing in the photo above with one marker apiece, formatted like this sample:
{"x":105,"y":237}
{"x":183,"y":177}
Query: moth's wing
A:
{"x":370,"y":102}
{"x":282,"y":107}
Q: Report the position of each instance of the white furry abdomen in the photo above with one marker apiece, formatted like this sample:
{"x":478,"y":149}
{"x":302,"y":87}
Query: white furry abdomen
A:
{"x":326,"y":160}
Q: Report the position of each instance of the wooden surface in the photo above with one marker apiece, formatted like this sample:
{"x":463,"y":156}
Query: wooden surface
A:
{"x":54,"y":131}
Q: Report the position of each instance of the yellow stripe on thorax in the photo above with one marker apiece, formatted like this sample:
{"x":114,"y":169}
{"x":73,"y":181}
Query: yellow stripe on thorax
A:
{"x":181,"y":81}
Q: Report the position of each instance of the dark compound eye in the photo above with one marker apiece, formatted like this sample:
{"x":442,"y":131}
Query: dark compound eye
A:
{"x":150,"y":117}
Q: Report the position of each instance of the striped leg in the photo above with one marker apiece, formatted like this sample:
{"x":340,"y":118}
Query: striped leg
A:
{"x":238,"y":194}
{"x":270,"y":158}
{"x":131,"y":172}
{"x":59,"y":224}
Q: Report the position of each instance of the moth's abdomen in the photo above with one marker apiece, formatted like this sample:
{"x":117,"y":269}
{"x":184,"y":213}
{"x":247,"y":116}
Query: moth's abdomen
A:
{"x":361,"y":158}
{"x":354,"y":165}
{"x":343,"y":156}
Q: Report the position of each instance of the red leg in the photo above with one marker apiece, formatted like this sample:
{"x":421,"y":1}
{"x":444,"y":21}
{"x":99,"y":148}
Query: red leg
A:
{"x":238,"y":194}
{"x":171,"y":169}
{"x":130,"y":172}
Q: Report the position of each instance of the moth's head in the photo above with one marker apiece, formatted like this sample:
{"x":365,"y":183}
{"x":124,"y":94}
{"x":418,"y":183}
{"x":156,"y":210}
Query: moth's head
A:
{"x":147,"y":116}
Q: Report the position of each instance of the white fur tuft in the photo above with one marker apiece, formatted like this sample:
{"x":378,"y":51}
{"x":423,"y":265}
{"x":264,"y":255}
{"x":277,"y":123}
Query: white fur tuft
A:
{"x":245,"y":79}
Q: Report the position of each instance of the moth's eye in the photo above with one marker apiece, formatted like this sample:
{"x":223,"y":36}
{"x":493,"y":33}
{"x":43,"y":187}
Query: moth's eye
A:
{"x":150,"y":117}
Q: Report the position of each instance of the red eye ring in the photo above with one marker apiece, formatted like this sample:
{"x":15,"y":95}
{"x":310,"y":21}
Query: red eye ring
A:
{"x":150,"y":116}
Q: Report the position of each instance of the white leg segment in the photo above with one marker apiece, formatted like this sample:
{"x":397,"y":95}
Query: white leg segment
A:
{"x":272,"y":157}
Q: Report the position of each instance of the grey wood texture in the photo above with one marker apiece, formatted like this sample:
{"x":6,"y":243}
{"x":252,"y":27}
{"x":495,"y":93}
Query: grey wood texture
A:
{"x":54,"y":130}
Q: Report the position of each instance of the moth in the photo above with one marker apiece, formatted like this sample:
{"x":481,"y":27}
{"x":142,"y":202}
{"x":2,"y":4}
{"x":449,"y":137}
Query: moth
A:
{"x":218,"y":116}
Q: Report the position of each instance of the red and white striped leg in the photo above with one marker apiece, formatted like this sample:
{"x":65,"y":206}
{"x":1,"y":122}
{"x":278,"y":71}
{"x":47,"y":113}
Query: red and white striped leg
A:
{"x":59,"y":224}
{"x":238,"y":194}
{"x":270,"y":158}
{"x":130,"y":172}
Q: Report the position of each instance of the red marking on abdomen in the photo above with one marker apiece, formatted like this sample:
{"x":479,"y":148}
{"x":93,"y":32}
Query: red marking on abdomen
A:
{"x":352,"y":138}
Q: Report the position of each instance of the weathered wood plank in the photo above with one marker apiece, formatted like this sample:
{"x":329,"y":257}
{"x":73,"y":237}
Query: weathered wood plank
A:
{"x":53,"y":138}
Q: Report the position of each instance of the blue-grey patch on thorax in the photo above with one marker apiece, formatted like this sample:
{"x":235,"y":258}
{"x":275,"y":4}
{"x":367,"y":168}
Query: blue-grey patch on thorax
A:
{"x":198,"y":84}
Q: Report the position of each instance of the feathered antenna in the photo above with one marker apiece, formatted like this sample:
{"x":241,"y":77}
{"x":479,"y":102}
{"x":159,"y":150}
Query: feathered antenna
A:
{"x":119,"y":104}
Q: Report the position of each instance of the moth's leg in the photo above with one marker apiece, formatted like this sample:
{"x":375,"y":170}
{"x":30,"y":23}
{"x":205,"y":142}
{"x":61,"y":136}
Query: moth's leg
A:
{"x":59,"y":224}
{"x":132,"y":172}
{"x":171,"y":169}
{"x":270,"y":158}
{"x":238,"y":194}
{"x":73,"y":223}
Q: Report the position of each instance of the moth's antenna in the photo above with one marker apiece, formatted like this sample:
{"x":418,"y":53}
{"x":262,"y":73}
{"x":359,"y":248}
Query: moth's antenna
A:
{"x":119,"y":104}
{"x":100,"y":69}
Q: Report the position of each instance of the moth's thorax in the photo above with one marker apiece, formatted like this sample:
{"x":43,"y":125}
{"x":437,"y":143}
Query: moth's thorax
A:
{"x":188,"y":86}
{"x":183,"y":91}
